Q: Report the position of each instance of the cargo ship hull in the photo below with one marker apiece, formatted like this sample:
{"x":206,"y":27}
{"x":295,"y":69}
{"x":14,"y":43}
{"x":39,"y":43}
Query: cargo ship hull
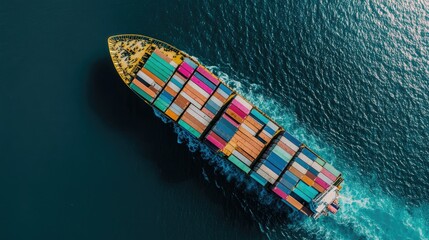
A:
{"x":190,"y":95}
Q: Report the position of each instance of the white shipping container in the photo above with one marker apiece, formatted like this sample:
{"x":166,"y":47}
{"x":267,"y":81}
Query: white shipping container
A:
{"x":325,"y":178}
{"x":216,"y":100}
{"x":305,"y":159}
{"x":248,"y":129}
{"x":157,"y":87}
{"x":172,"y":63}
{"x":317,"y":166}
{"x":267,"y":133}
{"x":241,"y":157}
{"x":176,"y":109}
{"x":198,"y":89}
{"x":199,"y":112}
{"x":300,"y":168}
{"x":265,"y":175}
{"x":197,"y":116}
{"x":191,"y":100}
{"x":174,"y":87}
{"x":145,"y":77}
{"x":268,"y":171}
{"x":290,"y":144}
{"x":179,"y":78}
{"x":244,"y":102}
{"x":272,"y":126}
{"x":222,"y":93}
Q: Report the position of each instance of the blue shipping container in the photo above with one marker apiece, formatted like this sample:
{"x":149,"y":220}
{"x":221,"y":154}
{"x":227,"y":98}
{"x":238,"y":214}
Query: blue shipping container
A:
{"x":225,"y":89}
{"x":287,"y":183}
{"x":283,"y":188}
{"x":205,"y":80}
{"x":309,"y":154}
{"x":272,"y":167}
{"x":301,"y":162}
{"x":277,"y":161}
{"x":292,"y":139}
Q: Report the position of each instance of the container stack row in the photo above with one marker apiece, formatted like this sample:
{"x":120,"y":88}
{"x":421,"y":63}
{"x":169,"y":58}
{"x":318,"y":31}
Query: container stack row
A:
{"x":241,"y":133}
{"x":275,"y":160}
{"x":306,"y":177}
{"x":186,"y":92}
{"x":200,"y":99}
{"x":154,"y":75}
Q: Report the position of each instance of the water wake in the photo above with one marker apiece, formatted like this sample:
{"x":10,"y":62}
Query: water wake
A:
{"x":366,"y":213}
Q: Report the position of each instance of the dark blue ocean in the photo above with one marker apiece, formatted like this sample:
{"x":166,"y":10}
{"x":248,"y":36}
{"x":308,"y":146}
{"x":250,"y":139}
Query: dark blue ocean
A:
{"x":81,"y":157}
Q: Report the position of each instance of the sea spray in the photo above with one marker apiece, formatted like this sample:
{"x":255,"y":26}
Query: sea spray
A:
{"x":366,"y":211}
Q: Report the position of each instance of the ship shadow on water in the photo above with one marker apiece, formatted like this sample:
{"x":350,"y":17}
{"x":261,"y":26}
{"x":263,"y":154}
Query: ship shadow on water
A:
{"x":124,"y":112}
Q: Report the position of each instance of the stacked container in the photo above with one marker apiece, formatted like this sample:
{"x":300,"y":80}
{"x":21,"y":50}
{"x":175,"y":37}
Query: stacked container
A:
{"x":306,"y":176}
{"x":152,"y":78}
{"x":275,"y":160}
{"x":241,"y":133}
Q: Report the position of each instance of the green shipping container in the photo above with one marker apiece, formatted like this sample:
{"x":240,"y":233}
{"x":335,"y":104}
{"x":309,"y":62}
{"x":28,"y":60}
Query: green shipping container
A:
{"x":258,"y":178}
{"x":161,"y":67}
{"x":282,"y":153}
{"x":153,"y":69}
{"x":331,"y":169}
{"x":141,"y":92}
{"x":163,"y":62}
{"x":189,"y":128}
{"x":320,"y":161}
{"x":239,"y":163}
{"x":307,"y":190}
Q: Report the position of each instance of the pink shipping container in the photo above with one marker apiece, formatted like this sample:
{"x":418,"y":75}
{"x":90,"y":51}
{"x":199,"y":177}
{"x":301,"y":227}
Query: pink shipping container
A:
{"x":201,"y":85}
{"x":241,"y":106}
{"x":230,"y":120}
{"x":329,"y":174}
{"x":279,"y":192}
{"x":215,"y":142}
{"x":182,"y":71}
{"x":322,"y":183}
{"x":187,"y":67}
{"x":206,"y":74}
{"x":246,"y":104}
{"x":235,"y":109}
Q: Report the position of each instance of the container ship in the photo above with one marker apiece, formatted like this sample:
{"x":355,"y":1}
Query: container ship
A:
{"x":183,"y":90}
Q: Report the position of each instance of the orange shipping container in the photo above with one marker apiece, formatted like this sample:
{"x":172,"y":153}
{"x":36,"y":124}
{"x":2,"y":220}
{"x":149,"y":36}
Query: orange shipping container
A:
{"x":192,"y":94}
{"x":286,"y":148}
{"x":251,"y":138}
{"x":197,"y":93}
{"x":208,"y":113}
{"x":318,"y":187}
{"x":162,"y":55}
{"x":234,"y":116}
{"x":218,"y":96}
{"x":247,"y":147}
{"x":295,"y":172}
{"x":245,"y":154}
{"x":155,"y":78}
{"x":294,"y":202}
{"x":191,"y":120}
{"x":254,"y":152}
{"x":264,"y":137}
{"x":181,"y":102}
{"x":307,"y":180}
{"x":254,"y":122}
{"x":170,"y":91}
{"x":171,"y":114}
{"x":144,"y":88}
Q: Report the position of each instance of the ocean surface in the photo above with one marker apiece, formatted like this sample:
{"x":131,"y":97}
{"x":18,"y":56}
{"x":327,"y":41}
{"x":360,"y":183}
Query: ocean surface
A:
{"x":81,"y":157}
